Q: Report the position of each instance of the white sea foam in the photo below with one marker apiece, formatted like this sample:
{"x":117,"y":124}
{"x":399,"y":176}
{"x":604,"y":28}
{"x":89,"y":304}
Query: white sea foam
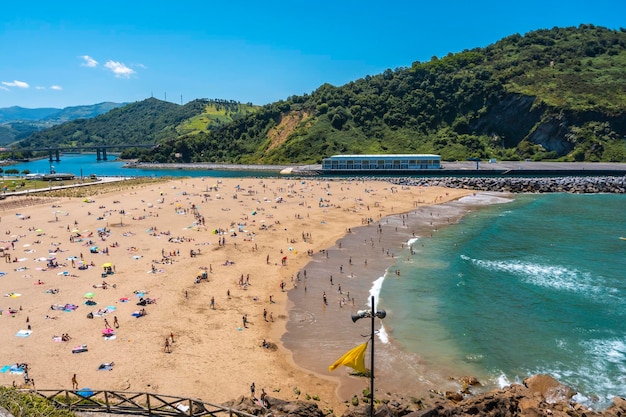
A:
{"x":412,"y":241}
{"x":377,"y":285}
{"x":503,"y":381}
{"x":556,"y":277}
{"x":484,"y":198}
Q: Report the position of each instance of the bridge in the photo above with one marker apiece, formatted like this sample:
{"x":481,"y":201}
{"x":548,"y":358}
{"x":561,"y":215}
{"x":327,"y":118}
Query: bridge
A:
{"x":54,"y":153}
{"x":134,"y":403}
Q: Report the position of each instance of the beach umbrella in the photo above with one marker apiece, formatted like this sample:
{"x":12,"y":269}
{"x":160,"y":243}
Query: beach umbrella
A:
{"x":75,"y":231}
{"x":89,"y":295}
{"x":39,"y":230}
{"x":72,"y":258}
{"x":107,"y":265}
{"x":26,"y":245}
{"x":111,"y":308}
{"x":108,"y":332}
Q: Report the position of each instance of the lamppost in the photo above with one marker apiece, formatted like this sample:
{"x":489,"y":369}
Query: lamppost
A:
{"x":361,"y":314}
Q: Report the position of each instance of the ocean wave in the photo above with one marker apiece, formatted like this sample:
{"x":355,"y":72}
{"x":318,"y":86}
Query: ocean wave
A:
{"x":412,"y":241}
{"x":377,"y":285}
{"x":554,"y":277}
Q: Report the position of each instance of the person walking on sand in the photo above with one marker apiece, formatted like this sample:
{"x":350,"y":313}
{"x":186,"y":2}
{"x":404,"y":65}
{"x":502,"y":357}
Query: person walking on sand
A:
{"x":167,"y":348}
{"x":252,"y":389}
{"x":115,"y":322}
{"x":74,"y":382}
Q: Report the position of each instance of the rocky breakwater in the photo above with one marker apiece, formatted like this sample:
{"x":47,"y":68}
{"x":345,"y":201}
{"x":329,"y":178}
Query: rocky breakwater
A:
{"x":578,"y":185}
{"x":539,"y":395}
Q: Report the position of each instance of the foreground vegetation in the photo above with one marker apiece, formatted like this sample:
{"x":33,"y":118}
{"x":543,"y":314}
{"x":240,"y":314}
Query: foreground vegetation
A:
{"x":22,"y":404}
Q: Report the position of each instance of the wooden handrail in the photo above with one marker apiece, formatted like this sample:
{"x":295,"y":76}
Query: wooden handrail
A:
{"x":125,"y":402}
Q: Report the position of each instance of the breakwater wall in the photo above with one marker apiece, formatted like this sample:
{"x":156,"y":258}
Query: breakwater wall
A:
{"x":579,"y":185}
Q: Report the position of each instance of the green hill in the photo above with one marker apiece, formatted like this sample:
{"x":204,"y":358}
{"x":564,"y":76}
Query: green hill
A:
{"x":557,"y":93}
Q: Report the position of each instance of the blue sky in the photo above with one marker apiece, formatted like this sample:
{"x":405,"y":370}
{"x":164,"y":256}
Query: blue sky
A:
{"x":68,"y":53}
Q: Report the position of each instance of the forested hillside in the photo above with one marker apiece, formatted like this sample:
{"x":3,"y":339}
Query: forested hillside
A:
{"x":550,"y":94}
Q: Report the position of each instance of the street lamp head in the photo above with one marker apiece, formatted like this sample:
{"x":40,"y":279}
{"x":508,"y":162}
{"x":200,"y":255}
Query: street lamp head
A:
{"x":361,"y":314}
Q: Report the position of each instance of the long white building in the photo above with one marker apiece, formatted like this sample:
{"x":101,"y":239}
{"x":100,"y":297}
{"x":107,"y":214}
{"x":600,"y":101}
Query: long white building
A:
{"x":381,"y":163}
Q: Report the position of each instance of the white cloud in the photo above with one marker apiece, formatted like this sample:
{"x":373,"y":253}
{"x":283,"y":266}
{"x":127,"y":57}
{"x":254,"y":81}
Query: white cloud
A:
{"x":89,"y":61}
{"x":4,"y":88}
{"x":119,"y":69}
{"x":56,"y":87}
{"x":19,"y":84}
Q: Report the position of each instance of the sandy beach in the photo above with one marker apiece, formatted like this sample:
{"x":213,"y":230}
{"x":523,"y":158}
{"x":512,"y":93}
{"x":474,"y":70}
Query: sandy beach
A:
{"x":210,"y":262}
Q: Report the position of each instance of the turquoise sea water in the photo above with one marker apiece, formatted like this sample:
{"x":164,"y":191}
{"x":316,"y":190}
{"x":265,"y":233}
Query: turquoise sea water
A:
{"x":537,"y":285}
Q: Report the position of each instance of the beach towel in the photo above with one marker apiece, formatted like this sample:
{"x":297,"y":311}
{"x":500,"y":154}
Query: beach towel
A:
{"x":106,"y":366}
{"x":182,"y":407}
{"x":23,"y":333}
{"x":85,"y":392}
{"x":80,"y":349}
{"x":14,"y":369}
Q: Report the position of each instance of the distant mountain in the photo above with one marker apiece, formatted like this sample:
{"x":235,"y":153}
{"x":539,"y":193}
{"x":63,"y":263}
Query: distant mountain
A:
{"x":16,"y":113}
{"x":18,"y":122}
{"x":82,"y":112}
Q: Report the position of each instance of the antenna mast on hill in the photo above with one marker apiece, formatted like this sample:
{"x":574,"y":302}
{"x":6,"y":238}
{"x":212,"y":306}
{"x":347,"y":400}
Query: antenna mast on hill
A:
{"x":166,"y":96}
{"x":181,"y":99}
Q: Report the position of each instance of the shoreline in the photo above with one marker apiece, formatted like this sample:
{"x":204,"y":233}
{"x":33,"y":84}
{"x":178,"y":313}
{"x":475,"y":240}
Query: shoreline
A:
{"x":311,"y":321}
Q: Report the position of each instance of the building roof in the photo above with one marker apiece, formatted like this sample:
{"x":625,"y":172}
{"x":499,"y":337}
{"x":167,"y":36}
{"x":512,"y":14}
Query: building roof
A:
{"x":408,"y":155}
